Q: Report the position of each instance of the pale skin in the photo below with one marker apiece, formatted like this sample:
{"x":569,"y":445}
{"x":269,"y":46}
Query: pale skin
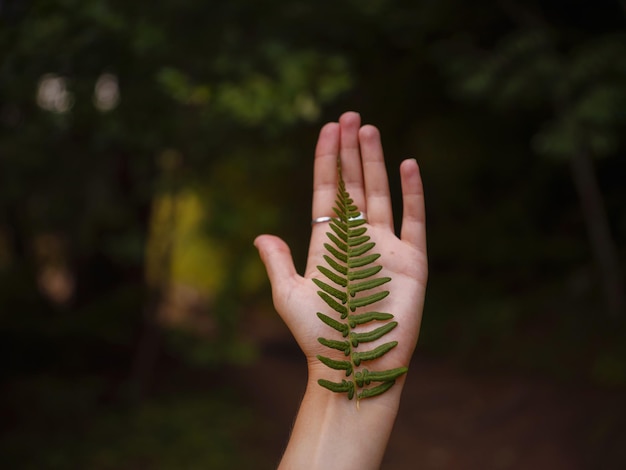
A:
{"x":330,"y":431}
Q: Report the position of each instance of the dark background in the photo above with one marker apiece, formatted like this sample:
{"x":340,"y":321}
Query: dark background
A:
{"x":143,"y":146}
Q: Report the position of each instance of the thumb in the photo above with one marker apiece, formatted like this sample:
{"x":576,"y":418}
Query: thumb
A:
{"x":276,"y":257}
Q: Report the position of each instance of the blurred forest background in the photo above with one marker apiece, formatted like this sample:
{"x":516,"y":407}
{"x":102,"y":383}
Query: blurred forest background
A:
{"x":143,"y":146}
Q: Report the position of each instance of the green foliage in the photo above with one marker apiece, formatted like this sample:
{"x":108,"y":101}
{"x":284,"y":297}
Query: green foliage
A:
{"x":186,"y":430}
{"x":351,"y":243}
{"x":580,"y":83}
{"x":204,"y":90}
{"x":224,"y":100}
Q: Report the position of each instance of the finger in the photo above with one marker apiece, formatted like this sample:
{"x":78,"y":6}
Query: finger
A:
{"x":375,"y":176}
{"x":279,"y":265}
{"x":324,"y":189}
{"x":351,"y":168}
{"x":414,"y":214}
{"x":325,"y":170}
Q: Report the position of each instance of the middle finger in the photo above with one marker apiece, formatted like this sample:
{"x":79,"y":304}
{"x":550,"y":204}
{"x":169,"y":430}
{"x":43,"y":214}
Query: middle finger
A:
{"x":351,"y":166}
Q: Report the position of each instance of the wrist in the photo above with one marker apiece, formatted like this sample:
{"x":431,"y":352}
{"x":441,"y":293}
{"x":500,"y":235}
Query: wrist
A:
{"x":331,"y":431}
{"x":318,"y":371}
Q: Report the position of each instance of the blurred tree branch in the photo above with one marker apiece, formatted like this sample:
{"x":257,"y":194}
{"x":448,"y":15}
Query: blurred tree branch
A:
{"x":529,"y":68}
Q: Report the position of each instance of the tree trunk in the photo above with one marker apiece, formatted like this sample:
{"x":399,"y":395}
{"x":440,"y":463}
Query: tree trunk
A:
{"x":599,"y":232}
{"x":149,"y":344}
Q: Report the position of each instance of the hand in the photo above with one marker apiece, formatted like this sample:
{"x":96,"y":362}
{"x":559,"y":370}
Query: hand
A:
{"x":330,"y":432}
{"x":404,"y":259}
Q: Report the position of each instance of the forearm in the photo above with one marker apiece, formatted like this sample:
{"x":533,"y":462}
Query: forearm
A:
{"x":331,"y":432}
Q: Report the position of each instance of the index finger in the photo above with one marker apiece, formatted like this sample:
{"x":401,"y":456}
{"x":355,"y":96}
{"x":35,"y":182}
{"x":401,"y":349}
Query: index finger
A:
{"x":325,"y":170}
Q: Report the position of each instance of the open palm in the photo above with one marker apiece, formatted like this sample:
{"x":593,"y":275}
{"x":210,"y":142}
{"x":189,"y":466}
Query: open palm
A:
{"x":403,"y":258}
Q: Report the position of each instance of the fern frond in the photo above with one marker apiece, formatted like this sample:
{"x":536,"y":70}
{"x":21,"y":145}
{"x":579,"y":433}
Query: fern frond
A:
{"x":366,"y":376}
{"x":342,"y":281}
{"x":378,"y":390}
{"x":340,"y":268}
{"x":338,"y":243}
{"x":340,"y":327}
{"x":332,"y":303}
{"x":363,"y":261}
{"x":356,"y":241}
{"x":363,"y":273}
{"x":344,"y":386}
{"x":366,"y":337}
{"x":370,"y":299}
{"x":337,"y":365}
{"x":375,"y":353}
{"x":367,"y":317}
{"x":341,"y":233}
{"x":353,"y":221}
{"x":360,"y":250}
{"x":357,"y":231}
{"x":336,"y":293}
{"x":336,"y":253}
{"x":355,"y":285}
{"x":367,"y":285}
{"x":343,"y":346}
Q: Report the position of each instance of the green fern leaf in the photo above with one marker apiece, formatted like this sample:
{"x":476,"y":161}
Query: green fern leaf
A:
{"x":355,"y":286}
{"x":366,"y":376}
{"x":332,"y":303}
{"x":356,"y":241}
{"x":360,"y":250}
{"x":365,"y":260}
{"x":378,"y":390}
{"x":340,"y":268}
{"x":363,"y":273}
{"x":336,"y":293}
{"x":336,"y":253}
{"x":370,"y":299}
{"x":367,"y":317}
{"x":375,"y":353}
{"x":357,"y":231}
{"x":343,"y":346}
{"x":366,"y":285}
{"x":372,"y":335}
{"x":342,"y":281}
{"x":344,"y":386}
{"x":337,"y":365}
{"x":341,"y":233}
{"x":340,"y":327}
{"x":338,"y":243}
